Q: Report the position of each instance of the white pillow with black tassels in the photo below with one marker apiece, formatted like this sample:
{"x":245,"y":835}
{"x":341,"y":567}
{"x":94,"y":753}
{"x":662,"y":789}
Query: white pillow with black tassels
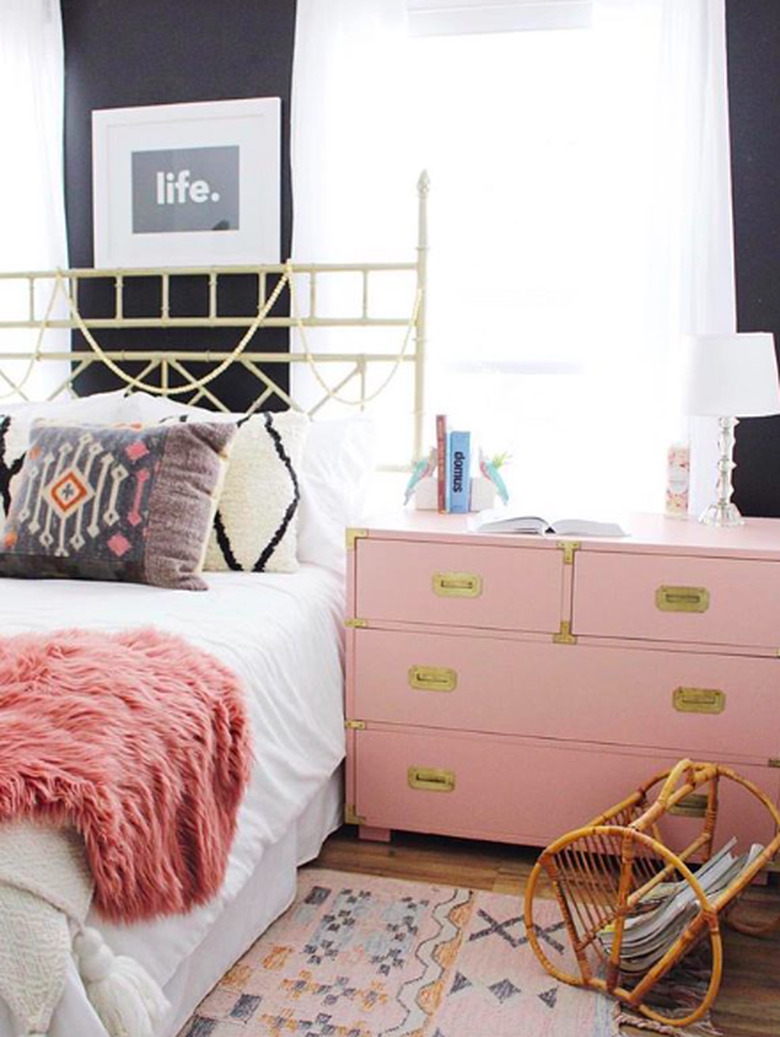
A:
{"x":14,"y":436}
{"x":255,"y":526}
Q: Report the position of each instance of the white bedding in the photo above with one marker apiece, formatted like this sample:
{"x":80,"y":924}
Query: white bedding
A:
{"x":281,"y":635}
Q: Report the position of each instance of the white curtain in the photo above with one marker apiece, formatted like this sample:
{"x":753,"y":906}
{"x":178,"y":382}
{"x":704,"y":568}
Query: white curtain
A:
{"x":692,"y":274}
{"x":32,"y":204}
{"x":558,"y":291}
{"x":354,"y":173}
{"x":351,"y":126}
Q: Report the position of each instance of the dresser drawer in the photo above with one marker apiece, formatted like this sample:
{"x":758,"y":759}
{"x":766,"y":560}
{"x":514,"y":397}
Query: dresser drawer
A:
{"x":723,"y":601}
{"x":501,"y":588}
{"x":520,"y":791}
{"x":688,"y":703}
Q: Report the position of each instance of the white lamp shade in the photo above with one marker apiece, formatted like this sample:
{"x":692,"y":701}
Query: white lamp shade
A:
{"x":732,"y":375}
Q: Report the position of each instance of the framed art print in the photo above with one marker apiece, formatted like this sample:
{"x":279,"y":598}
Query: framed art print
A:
{"x":187,"y":184}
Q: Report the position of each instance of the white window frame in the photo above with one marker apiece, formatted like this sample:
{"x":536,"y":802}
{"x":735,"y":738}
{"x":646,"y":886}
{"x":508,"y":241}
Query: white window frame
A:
{"x":455,"y":17}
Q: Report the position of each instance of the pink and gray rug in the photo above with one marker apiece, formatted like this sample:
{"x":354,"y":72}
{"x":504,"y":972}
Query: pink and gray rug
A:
{"x":360,"y":956}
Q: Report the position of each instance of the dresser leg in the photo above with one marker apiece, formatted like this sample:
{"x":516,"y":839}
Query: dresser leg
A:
{"x":377,"y":835}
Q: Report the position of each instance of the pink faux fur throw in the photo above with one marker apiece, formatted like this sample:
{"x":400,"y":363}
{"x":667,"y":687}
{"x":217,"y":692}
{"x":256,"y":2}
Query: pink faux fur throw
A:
{"x":139,"y":741}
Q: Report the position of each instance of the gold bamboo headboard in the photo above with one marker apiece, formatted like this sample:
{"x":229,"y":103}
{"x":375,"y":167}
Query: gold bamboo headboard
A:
{"x":42,"y":300}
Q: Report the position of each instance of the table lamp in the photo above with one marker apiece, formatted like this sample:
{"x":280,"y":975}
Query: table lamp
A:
{"x":729,"y":377}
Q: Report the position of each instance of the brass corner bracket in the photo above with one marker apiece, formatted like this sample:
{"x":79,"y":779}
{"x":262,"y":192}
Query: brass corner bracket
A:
{"x":352,"y":535}
{"x":351,"y":817}
{"x":565,"y":636}
{"x":569,"y":547}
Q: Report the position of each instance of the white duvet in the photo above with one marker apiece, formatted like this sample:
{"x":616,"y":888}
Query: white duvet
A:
{"x":281,"y":635}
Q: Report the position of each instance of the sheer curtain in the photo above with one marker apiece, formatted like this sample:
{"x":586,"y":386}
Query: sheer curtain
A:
{"x":32,"y":200}
{"x":351,"y":129}
{"x":692,"y":274}
{"x":580,"y":221}
{"x":354,"y":173}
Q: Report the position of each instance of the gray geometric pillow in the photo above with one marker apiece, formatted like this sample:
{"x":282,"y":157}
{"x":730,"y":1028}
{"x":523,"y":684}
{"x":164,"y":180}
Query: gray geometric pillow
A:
{"x":116,"y":503}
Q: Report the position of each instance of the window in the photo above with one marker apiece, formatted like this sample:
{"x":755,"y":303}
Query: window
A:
{"x":539,"y":146}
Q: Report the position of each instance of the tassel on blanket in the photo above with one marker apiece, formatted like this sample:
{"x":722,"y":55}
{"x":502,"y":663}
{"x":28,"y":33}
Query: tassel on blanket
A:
{"x":127,"y":1000}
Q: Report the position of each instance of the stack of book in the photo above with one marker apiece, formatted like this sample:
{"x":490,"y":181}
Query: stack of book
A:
{"x":649,"y":934}
{"x":453,"y":450}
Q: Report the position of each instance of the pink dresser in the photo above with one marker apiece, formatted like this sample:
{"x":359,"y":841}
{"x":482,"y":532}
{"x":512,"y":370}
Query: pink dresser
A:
{"x":510,"y":688}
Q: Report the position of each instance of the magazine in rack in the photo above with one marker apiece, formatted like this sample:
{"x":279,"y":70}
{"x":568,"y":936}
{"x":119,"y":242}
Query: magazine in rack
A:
{"x":650,"y":932}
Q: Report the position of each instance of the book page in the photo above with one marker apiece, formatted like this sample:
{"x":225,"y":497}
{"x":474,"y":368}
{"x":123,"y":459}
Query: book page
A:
{"x":587,"y":527}
{"x":499,"y":520}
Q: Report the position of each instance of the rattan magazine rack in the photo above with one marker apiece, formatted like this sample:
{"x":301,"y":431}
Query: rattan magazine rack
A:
{"x":611,"y":879}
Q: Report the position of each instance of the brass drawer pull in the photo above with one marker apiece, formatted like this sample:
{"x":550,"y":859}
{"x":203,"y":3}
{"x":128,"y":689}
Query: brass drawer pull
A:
{"x":433,"y":678}
{"x":457,"y":585}
{"x":694,"y":805}
{"x":431,"y":780}
{"x":699,"y":700}
{"x":682,"y":599}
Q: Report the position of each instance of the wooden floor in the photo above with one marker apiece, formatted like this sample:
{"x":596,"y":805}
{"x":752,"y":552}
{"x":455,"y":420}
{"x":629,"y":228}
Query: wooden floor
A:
{"x":749,"y":1001}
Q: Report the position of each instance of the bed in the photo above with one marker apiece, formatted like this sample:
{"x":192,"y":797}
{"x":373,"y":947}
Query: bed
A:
{"x":278,"y":634}
{"x":281,"y":633}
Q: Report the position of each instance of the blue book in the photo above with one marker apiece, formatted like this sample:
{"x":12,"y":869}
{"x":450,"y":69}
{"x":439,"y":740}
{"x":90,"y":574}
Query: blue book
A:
{"x":459,"y":472}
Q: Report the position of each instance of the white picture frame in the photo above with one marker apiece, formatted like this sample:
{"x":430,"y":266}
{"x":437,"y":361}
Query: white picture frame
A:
{"x":189,"y":185}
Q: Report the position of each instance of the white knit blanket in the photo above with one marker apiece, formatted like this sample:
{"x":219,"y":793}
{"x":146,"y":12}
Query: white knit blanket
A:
{"x":45,"y":892}
{"x":44,"y":881}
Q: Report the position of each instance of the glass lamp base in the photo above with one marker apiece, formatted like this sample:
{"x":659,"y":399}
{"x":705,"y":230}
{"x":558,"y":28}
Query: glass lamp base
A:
{"x":723,"y":513}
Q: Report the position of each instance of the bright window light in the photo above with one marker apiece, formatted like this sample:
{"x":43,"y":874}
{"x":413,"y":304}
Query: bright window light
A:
{"x":539,"y":147}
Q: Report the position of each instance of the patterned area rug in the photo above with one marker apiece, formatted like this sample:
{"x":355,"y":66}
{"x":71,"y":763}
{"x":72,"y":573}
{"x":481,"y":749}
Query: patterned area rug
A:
{"x":359,"y":956}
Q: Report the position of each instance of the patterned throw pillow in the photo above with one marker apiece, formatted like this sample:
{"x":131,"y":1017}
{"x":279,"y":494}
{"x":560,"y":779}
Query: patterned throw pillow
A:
{"x":255,"y":526}
{"x":17,"y":419}
{"x":116,"y":503}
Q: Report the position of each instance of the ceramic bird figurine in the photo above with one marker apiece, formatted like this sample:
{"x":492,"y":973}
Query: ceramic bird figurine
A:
{"x":422,"y":470}
{"x":490,"y":472}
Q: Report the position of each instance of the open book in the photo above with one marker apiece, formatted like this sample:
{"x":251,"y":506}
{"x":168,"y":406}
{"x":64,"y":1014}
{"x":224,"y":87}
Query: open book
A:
{"x":498,"y":520}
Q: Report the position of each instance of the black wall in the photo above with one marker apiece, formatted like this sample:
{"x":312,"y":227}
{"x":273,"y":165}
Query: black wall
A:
{"x":124,"y":53}
{"x":753,"y":28}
